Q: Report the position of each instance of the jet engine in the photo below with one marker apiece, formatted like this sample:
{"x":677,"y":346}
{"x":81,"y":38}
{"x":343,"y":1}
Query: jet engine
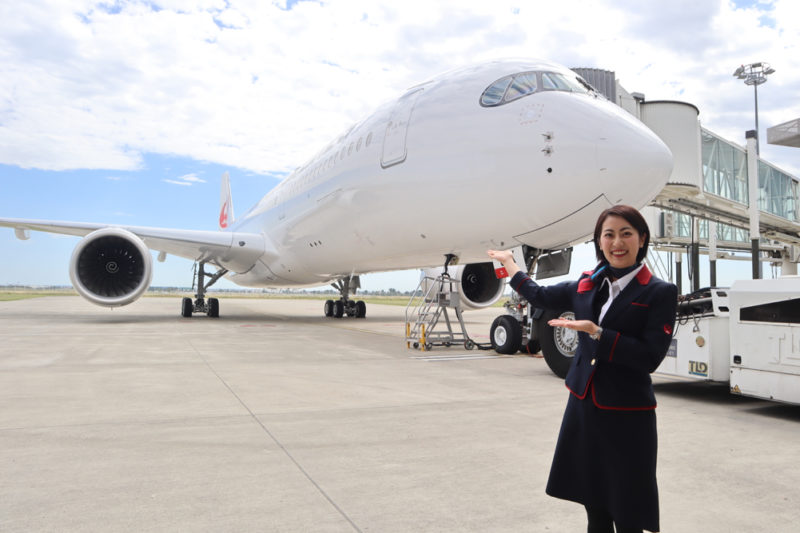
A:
{"x":477,"y":285}
{"x":111,"y":267}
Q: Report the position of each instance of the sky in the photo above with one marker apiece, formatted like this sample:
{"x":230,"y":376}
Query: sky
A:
{"x":128,"y":112}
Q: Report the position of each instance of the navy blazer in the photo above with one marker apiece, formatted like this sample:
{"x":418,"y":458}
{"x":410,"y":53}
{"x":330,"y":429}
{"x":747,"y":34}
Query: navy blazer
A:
{"x":637,"y":329}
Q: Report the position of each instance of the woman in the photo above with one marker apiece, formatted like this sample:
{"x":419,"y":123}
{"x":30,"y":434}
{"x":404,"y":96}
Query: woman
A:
{"x":605,"y":458}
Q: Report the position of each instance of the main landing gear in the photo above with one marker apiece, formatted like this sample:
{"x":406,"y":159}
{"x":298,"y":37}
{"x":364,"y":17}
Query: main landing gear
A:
{"x":200,"y":305}
{"x":344,"y":305}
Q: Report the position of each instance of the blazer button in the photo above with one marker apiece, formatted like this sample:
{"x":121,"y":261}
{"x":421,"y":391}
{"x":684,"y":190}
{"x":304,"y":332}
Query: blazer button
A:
{"x":593,"y":362}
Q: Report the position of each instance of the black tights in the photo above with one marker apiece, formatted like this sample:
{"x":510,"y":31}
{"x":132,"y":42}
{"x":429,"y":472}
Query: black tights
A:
{"x":601,"y":522}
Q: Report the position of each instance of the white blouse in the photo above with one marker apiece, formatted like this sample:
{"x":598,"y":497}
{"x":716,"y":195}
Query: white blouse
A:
{"x":616,"y":287}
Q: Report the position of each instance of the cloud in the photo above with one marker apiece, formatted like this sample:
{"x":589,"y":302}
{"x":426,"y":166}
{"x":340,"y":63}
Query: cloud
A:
{"x":187,"y":180}
{"x":261,"y":87}
{"x":191,"y":178}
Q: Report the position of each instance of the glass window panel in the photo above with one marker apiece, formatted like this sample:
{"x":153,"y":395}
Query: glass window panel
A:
{"x":777,"y":192}
{"x":683,"y":225}
{"x":522,"y":85}
{"x":575,"y":84}
{"x":724,"y":169}
{"x":558,"y":82}
{"x":493,"y":94}
{"x":554,"y":82}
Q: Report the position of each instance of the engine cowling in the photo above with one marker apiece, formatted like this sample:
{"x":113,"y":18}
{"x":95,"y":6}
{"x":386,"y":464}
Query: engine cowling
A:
{"x":477,"y":286}
{"x":111,"y":267}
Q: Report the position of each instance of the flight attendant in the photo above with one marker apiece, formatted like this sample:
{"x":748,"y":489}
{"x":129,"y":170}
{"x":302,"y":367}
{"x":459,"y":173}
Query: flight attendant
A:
{"x":605,"y":457}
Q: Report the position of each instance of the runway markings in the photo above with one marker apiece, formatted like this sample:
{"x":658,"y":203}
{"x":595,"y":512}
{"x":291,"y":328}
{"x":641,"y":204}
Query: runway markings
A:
{"x":464,"y":357}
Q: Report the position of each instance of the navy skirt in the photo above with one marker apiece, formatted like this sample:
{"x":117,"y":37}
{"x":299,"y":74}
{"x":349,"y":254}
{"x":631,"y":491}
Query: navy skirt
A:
{"x":606,"y":459}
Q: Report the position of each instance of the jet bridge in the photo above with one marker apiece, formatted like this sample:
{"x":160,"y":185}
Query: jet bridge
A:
{"x":705,"y":207}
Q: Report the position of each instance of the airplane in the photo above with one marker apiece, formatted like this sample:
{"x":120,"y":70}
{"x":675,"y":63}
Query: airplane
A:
{"x":494,"y":155}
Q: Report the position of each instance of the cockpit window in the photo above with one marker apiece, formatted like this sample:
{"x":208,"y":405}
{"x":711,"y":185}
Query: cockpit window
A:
{"x":523,"y":84}
{"x":493,"y":94}
{"x":510,"y":88}
{"x":558,"y":82}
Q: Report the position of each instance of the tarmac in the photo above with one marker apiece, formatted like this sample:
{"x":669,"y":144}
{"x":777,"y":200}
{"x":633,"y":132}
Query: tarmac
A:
{"x":273,"y":418}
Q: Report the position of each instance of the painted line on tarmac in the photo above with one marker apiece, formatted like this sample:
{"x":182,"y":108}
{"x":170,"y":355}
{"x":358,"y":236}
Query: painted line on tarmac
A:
{"x":435,"y":358}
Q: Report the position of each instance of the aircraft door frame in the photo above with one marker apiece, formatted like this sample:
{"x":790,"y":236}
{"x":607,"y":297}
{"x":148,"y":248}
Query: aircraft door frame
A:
{"x":394,"y":140}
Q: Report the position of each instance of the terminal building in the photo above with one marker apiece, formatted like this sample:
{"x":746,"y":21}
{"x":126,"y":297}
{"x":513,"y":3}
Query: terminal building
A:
{"x":704,"y":210}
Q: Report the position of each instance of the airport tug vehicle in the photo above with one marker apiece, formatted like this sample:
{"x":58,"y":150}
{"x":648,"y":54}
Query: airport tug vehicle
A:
{"x":747,"y":335}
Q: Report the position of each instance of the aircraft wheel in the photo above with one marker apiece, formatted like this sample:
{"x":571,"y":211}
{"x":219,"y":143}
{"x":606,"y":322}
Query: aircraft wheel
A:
{"x":213,"y":308}
{"x":533,"y":347}
{"x":338,"y":309}
{"x":361,"y":309}
{"x":186,"y":307}
{"x":329,"y":308}
{"x":558,"y":344}
{"x":506,"y":333}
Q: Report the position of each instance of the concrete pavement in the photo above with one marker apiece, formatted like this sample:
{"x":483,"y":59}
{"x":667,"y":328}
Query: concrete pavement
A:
{"x":274,"y":418}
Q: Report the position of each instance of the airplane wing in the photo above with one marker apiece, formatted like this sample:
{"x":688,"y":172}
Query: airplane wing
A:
{"x":212,"y":246}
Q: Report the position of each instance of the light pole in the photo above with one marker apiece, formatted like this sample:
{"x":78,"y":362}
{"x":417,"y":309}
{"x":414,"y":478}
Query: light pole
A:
{"x":754,"y":74}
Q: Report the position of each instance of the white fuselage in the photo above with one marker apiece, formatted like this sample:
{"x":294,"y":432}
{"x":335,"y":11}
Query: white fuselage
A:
{"x":437,"y":173}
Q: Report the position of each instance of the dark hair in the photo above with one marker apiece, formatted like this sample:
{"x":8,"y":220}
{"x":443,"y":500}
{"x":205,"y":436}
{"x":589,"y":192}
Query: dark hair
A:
{"x":633,"y":217}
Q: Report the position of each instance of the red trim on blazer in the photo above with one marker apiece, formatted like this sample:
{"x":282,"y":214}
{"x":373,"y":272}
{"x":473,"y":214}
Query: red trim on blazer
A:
{"x":585,"y":285}
{"x":526,"y":278}
{"x":610,"y":408}
{"x":613,"y":347}
{"x":588,"y":384}
{"x":637,"y":304}
{"x":576,"y":394}
{"x":644,"y":276}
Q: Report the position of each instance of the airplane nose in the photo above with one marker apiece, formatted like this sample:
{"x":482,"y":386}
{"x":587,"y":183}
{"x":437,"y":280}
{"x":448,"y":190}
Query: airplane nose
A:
{"x":635,"y":161}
